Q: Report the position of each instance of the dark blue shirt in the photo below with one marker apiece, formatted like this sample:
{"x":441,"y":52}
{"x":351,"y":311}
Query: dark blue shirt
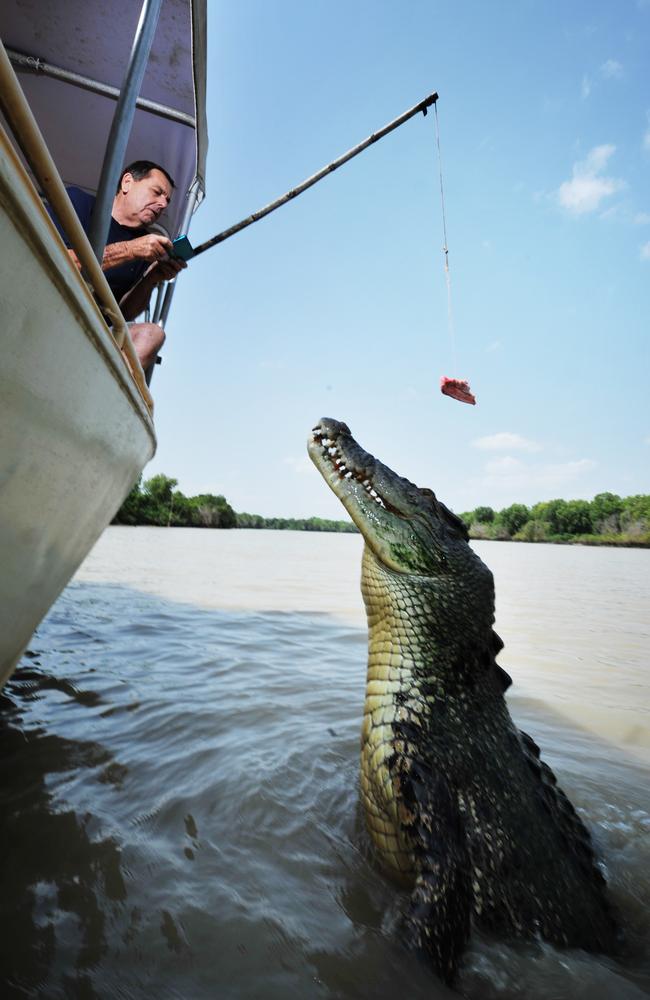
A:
{"x":122,"y":278}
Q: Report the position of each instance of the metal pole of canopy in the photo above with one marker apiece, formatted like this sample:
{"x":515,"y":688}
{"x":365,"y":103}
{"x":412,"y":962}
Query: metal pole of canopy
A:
{"x":193,"y":198}
{"x":121,"y":126}
{"x":164,"y":299}
{"x":39,"y":67}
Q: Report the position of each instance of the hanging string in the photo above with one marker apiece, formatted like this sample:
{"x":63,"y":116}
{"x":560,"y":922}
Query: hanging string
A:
{"x":445,"y":249}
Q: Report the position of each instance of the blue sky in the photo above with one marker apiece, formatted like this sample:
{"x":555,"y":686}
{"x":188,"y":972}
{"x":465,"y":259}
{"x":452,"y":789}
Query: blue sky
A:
{"x":336,"y":304}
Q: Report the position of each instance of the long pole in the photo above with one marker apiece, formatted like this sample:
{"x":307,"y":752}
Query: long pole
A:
{"x":334,"y":165}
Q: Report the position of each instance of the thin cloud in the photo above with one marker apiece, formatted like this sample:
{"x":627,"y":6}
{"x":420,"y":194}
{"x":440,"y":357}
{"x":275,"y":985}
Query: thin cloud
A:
{"x":505,"y":441}
{"x":512,"y":474}
{"x":588,"y":186}
{"x":496,"y":345}
{"x":646,"y":135}
{"x":645,"y":251}
{"x":611,"y":69}
{"x":642,"y":218}
{"x":565,"y":472}
{"x":585,"y":88}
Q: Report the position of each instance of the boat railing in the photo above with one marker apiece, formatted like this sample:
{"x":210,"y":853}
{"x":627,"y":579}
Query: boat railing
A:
{"x":29,"y":138}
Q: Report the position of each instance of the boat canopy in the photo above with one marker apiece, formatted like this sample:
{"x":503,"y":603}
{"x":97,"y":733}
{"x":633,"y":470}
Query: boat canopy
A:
{"x":71,"y":57}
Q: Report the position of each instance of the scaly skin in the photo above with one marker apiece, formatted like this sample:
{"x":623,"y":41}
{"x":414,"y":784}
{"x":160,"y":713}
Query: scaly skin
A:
{"x":457,"y":801}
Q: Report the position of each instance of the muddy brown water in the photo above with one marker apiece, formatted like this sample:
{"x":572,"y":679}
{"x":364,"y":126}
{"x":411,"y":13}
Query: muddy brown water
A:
{"x":179,"y":772}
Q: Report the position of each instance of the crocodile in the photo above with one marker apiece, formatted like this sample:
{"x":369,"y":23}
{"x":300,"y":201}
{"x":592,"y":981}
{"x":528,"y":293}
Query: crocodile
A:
{"x":459,"y":804}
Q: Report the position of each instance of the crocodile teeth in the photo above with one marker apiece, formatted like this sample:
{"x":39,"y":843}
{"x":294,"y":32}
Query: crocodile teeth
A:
{"x":331,"y":452}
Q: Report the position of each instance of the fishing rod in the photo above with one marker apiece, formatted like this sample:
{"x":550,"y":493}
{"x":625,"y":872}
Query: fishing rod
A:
{"x":184,"y":249}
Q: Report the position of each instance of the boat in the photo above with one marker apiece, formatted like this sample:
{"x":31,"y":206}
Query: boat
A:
{"x":84,"y":89}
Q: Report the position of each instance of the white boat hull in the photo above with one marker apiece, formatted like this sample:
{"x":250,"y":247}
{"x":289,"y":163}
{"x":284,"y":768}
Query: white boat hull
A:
{"x":75,"y":432}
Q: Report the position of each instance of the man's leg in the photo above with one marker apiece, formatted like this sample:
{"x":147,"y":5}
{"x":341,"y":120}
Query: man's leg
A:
{"x":147,"y":339}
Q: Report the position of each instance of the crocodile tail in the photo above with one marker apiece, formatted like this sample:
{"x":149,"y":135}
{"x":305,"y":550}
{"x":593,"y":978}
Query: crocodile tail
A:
{"x":437,"y":921}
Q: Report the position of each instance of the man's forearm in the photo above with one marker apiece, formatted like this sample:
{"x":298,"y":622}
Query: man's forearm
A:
{"x":118,"y":253}
{"x":137,"y":298}
{"x":114,"y":255}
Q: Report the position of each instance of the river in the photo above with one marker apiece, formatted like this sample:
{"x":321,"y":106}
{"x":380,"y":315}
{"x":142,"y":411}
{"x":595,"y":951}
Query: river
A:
{"x":179,"y":767}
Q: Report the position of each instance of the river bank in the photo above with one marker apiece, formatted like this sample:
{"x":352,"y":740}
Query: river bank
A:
{"x":605,"y":541}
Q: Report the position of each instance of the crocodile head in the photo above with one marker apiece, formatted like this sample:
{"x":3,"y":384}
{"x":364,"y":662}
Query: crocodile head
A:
{"x":407,"y":530}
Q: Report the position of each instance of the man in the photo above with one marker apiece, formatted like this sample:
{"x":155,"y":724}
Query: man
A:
{"x":135,"y":260}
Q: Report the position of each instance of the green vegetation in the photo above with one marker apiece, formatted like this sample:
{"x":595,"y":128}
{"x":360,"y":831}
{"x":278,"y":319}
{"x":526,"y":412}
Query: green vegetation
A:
{"x":157,"y":501}
{"x":294,"y":523}
{"x":606,"y":520}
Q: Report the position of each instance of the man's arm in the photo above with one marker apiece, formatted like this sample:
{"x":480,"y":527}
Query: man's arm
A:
{"x":151,"y":248}
{"x":137,"y":298}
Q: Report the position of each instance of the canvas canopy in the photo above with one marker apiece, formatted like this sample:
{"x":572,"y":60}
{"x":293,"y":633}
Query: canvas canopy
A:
{"x":93,"y":42}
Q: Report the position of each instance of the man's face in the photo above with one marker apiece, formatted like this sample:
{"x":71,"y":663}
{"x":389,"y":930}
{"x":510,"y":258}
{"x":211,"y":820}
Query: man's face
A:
{"x":146,"y":199}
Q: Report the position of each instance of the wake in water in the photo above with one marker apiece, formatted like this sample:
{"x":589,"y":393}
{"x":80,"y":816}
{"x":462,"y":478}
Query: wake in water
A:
{"x":180,"y":818}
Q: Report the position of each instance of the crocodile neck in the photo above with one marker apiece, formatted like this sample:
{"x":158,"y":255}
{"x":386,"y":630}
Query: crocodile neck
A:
{"x":421,"y":679}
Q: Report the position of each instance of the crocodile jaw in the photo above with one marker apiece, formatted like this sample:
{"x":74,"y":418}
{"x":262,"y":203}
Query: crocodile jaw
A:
{"x":397,"y":520}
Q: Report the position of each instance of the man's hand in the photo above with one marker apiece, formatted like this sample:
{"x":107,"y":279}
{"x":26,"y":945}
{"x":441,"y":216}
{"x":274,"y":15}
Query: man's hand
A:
{"x":137,"y":298}
{"x":152,"y":247}
{"x":164,"y":270}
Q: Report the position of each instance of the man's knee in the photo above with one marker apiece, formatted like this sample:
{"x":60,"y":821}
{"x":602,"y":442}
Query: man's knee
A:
{"x":147,"y":339}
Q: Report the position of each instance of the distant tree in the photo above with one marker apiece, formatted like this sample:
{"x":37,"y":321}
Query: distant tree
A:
{"x":157,"y":499}
{"x":210,"y":511}
{"x":577,"y":518}
{"x":539,"y":510}
{"x":606,"y":510}
{"x":552,"y":511}
{"x":481,"y":529}
{"x":635,"y":516}
{"x":513,"y":518}
{"x":181,"y":511}
{"x":484,"y":515}
{"x":245,"y":520}
{"x":534,"y":531}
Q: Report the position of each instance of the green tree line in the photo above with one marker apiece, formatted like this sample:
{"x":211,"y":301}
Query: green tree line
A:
{"x":608,"y":519}
{"x":158,"y":501}
{"x":293,"y":523}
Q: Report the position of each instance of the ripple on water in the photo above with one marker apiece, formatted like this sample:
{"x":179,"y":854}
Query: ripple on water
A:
{"x":180,"y":799}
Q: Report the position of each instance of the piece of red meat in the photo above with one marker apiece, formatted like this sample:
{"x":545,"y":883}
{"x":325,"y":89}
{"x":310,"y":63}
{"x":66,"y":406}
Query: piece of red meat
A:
{"x":458,"y":388}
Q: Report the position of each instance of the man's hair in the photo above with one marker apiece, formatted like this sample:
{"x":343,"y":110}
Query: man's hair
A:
{"x":141,"y":168}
